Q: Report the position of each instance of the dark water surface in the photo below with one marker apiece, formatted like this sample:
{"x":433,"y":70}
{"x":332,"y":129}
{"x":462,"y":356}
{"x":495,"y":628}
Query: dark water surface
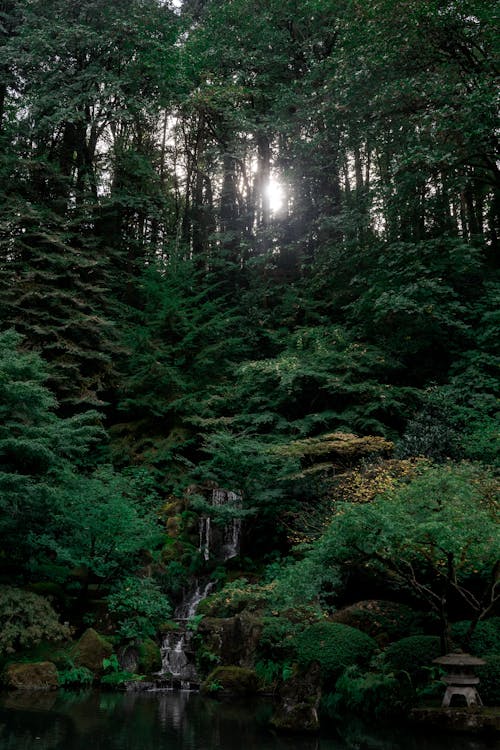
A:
{"x":175,"y":721}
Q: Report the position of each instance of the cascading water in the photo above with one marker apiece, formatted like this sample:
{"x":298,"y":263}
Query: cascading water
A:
{"x":187,"y":608}
{"x":205,"y":537}
{"x":232,"y":534}
{"x":177,"y":662}
{"x":177,"y":655}
{"x":222,"y":544}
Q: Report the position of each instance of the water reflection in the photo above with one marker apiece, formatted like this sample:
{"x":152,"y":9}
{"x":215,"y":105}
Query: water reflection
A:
{"x":174,"y":721}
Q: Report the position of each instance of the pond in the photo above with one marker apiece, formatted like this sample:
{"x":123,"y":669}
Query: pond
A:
{"x":176,"y":721}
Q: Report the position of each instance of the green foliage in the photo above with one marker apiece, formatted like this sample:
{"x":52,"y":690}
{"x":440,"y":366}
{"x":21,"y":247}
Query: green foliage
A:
{"x":272,"y":672}
{"x":485,"y":637}
{"x":226,"y":340}
{"x":149,"y":656}
{"x":113,"y":675}
{"x":26,"y":619}
{"x":277,"y":638}
{"x":334,"y":646}
{"x":235,"y":597}
{"x":418,"y":532}
{"x":489,"y":675}
{"x":360,"y":693}
{"x":140,"y":607}
{"x":385,"y":621}
{"x":37,"y":449}
{"x":194,"y":622}
{"x":414,"y":654}
{"x":111,"y":664}
{"x":433,"y":432}
{"x":304,"y":581}
{"x":101,"y":522}
{"x":206,"y":660}
{"x":75,"y":677}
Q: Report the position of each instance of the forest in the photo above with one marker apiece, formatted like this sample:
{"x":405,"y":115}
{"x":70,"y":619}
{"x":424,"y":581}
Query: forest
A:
{"x":249,"y":278}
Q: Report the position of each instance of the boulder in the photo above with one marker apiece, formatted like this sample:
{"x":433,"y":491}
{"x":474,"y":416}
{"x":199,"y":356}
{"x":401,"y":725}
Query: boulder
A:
{"x":299,"y":698}
{"x":149,"y":657}
{"x":128,"y":659}
{"x":233,"y":640}
{"x":231,"y":681}
{"x":37,"y":676}
{"x":90,"y":650}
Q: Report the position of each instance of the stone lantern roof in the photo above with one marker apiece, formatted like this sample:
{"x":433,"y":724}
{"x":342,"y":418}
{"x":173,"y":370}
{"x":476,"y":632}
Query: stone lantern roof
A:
{"x":459,"y":659}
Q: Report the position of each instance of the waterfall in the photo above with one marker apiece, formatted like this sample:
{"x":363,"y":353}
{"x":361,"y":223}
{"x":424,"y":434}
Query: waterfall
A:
{"x":187,"y":608}
{"x":177,"y":659}
{"x":232,"y":534}
{"x":177,"y":655}
{"x":205,"y":537}
{"x":216,"y":542}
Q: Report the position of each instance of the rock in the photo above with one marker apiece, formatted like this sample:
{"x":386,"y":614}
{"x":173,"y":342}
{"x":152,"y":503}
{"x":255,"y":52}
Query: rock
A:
{"x":471,"y":720}
{"x":149,"y":657}
{"x":231,"y":681}
{"x":233,"y":640}
{"x":299,"y":701}
{"x":173,"y":526}
{"x":138,"y":686}
{"x":37,"y":676}
{"x":128,"y":659}
{"x":90,"y":650}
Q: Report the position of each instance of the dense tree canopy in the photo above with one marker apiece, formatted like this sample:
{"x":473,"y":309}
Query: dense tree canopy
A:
{"x":228,"y":228}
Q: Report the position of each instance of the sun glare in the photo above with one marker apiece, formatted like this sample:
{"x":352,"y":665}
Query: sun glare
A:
{"x":275,"y":195}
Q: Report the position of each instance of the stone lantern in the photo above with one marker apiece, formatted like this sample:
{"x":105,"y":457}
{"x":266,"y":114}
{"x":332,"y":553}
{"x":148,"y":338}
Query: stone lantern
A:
{"x":460,"y":678}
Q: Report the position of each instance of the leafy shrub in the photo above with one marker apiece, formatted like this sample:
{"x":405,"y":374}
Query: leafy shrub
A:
{"x":115,"y":679}
{"x":433,"y":432}
{"x":25,"y":620}
{"x":371,"y":693}
{"x":140,"y":606}
{"x":489,"y":675}
{"x":235,"y":597}
{"x":414,"y":654}
{"x":75,"y":677}
{"x":334,"y":646}
{"x":114,"y":675}
{"x":383,"y":620}
{"x":206,"y":659}
{"x":270,"y":672}
{"x":277,"y":638}
{"x":485,"y":638}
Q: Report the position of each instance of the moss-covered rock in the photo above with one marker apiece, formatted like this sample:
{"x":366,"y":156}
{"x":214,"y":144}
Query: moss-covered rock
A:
{"x":297,"y":710}
{"x":90,"y":650}
{"x":149,"y":657}
{"x":232,"y":640}
{"x":231,"y":681}
{"x":128,"y":658}
{"x":38,"y":676}
{"x":173,"y":526}
{"x":173,"y":550}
